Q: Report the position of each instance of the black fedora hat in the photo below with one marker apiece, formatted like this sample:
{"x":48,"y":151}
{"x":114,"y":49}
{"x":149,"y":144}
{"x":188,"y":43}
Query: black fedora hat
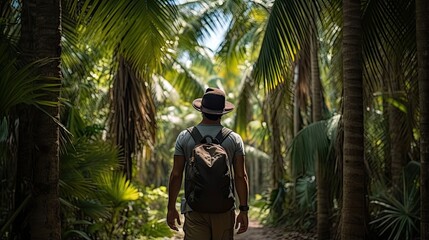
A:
{"x":213,"y":102}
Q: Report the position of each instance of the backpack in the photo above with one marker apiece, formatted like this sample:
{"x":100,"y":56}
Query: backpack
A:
{"x":208,"y":175}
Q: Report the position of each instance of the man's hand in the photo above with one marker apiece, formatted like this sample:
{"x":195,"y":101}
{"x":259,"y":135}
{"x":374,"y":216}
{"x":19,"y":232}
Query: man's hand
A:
{"x":172,"y":216}
{"x":242,"y":221}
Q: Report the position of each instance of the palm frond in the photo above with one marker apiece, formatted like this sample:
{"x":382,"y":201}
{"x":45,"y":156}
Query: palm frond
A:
{"x":397,"y":212}
{"x":18,"y":83}
{"x":245,"y":107}
{"x":143,"y":30}
{"x":331,"y":50}
{"x":10,"y":26}
{"x":314,"y":139}
{"x":199,"y":19}
{"x":81,"y":234}
{"x":185,"y":82}
{"x":133,"y":110}
{"x":389,"y":36}
{"x":243,"y":37}
{"x":76,"y":61}
{"x":116,"y":189}
{"x":286,"y":32}
{"x":305,"y":189}
{"x":81,"y":162}
{"x":93,"y":209}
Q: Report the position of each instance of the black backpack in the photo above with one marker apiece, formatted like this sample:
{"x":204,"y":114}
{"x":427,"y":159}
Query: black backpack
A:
{"x":208,"y":175}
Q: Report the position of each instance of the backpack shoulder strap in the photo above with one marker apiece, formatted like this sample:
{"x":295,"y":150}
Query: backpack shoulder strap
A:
{"x":196,"y":135}
{"x":223,"y":134}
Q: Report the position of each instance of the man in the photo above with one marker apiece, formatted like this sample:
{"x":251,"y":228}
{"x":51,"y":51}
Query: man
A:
{"x":199,"y":225}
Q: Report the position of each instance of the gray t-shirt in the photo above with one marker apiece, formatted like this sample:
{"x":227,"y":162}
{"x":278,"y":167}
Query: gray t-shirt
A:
{"x":233,"y":145}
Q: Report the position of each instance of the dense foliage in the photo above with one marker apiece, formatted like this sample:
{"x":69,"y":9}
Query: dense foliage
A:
{"x":130,"y":70}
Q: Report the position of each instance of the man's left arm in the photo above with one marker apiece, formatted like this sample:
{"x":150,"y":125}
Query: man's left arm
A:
{"x":242,"y":188}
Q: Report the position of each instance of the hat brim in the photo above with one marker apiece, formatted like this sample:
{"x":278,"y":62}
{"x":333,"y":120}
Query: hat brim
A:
{"x":197,"y":105}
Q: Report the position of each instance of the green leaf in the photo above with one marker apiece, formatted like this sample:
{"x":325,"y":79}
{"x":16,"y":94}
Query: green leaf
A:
{"x":116,"y":189}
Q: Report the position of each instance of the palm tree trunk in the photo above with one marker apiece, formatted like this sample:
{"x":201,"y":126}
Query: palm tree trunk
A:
{"x":25,"y":114}
{"x":316,"y":97}
{"x":296,"y":115}
{"x":296,"y":103}
{"x":278,"y":170}
{"x":399,"y":137}
{"x":399,"y":144}
{"x":45,"y":222}
{"x":24,"y":169}
{"x":422,"y":29}
{"x":323,"y":206}
{"x":354,"y":204}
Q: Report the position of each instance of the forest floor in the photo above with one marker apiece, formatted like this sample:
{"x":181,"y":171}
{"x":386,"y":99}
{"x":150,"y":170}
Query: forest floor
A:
{"x":257,"y":231}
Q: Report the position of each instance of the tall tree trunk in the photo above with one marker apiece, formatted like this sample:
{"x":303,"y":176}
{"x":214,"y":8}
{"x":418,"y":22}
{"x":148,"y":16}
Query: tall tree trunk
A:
{"x":44,"y":219}
{"x":38,"y":147}
{"x":399,"y":137}
{"x":323,"y":205}
{"x":25,"y":138}
{"x":399,"y":144}
{"x":278,"y":169}
{"x":354,"y":204}
{"x":296,"y":104}
{"x":316,"y":89}
{"x":422,"y":29}
{"x":387,"y":172}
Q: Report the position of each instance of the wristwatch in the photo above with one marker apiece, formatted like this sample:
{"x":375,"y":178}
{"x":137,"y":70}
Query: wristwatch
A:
{"x":244,"y":208}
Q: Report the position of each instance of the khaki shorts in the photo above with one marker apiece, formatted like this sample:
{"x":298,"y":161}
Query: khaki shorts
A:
{"x":209,"y":226}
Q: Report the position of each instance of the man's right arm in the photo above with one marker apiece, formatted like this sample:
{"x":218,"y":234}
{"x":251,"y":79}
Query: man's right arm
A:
{"x":173,"y":191}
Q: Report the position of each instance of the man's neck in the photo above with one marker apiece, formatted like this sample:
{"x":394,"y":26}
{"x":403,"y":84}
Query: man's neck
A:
{"x":207,"y":121}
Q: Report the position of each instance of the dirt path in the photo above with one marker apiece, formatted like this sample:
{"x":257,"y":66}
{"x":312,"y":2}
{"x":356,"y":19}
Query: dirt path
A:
{"x":257,"y":231}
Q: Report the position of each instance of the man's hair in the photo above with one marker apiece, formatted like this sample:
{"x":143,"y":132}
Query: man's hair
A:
{"x":212,"y":117}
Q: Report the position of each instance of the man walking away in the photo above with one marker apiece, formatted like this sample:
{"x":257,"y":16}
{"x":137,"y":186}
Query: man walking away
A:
{"x":213,"y":160}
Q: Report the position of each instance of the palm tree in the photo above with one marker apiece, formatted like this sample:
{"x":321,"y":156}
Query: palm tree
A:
{"x":27,"y":81}
{"x":422,"y":27}
{"x":396,"y":32}
{"x":44,"y":218}
{"x":353,"y":214}
{"x":25,"y":145}
{"x":276,"y":98}
{"x":132,"y":114}
{"x":140,"y":35}
{"x":305,"y":41}
{"x":390,"y":74}
{"x":322,"y":179}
